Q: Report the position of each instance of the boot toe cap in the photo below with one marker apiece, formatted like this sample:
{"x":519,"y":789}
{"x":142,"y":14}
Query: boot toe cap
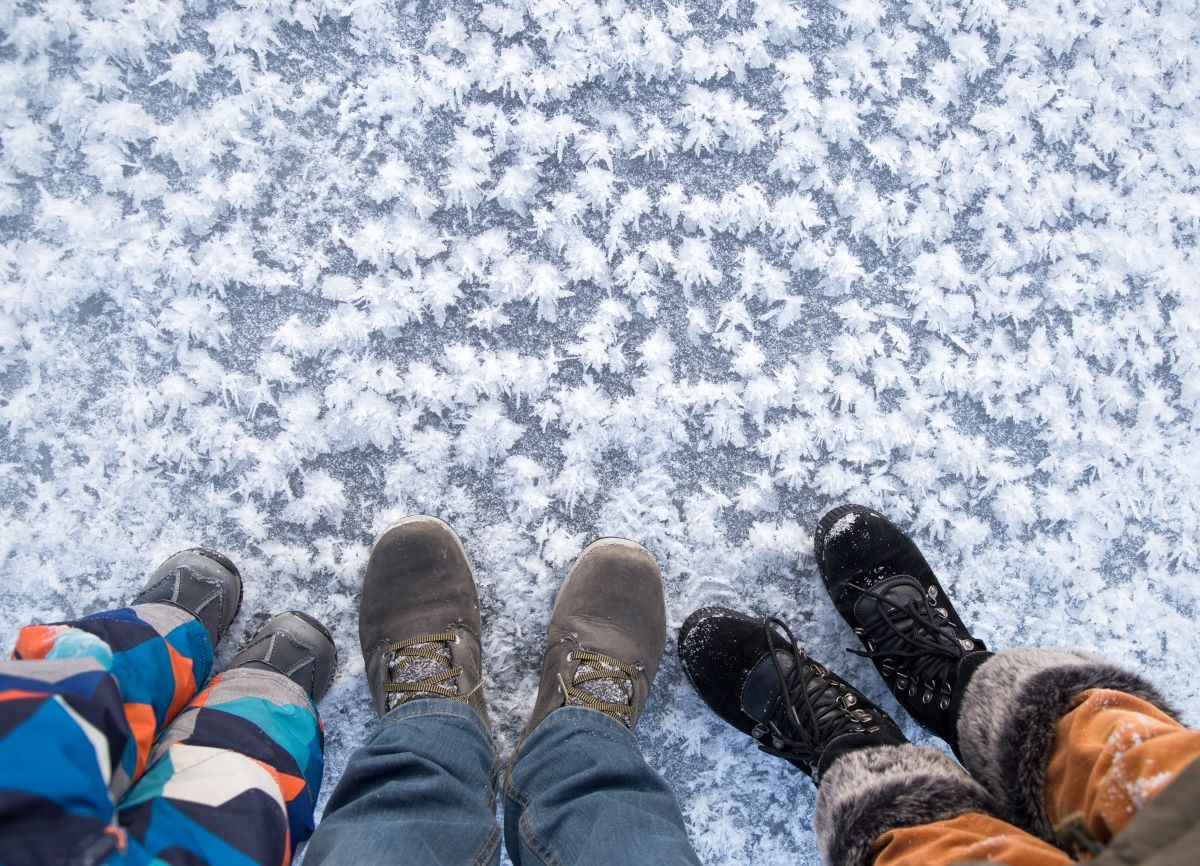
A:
{"x":613,"y":600}
{"x":852,"y":541}
{"x":418,"y":581}
{"x":205,"y":583}
{"x":296,"y":645}
{"x":719,"y":647}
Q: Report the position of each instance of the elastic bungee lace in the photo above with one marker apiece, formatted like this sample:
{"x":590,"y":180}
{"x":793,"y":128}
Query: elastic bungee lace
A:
{"x":419,"y":648}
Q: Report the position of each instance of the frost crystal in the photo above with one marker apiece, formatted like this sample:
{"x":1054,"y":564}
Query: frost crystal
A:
{"x":273,"y":274}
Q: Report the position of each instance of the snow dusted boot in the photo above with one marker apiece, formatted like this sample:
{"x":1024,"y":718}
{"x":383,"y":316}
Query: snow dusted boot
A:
{"x":871,"y":780}
{"x":751,"y":673}
{"x":295,"y":645}
{"x":202,"y":582}
{"x":419,"y":619}
{"x":886,"y":591}
{"x":997,"y":710}
{"x":607,"y":634}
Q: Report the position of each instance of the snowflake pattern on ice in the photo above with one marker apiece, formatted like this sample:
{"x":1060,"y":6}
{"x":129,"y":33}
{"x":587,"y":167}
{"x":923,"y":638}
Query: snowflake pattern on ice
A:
{"x":278,"y":272}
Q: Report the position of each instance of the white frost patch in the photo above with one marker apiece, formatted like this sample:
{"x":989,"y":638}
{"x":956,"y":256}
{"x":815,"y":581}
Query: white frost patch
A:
{"x":1148,"y":787}
{"x":842,"y":525}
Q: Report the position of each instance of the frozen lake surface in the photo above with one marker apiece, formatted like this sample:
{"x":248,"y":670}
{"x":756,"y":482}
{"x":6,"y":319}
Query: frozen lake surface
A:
{"x":276,"y":273}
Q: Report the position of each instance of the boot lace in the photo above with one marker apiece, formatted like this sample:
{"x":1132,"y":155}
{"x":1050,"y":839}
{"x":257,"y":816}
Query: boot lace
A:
{"x":410,"y":659}
{"x":603,"y":678}
{"x":916,"y":644}
{"x":813,"y":707}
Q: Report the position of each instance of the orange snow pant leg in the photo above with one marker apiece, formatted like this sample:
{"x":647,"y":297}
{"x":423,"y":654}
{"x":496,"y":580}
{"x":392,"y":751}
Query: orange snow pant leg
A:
{"x":969,"y":837}
{"x":1112,"y":754}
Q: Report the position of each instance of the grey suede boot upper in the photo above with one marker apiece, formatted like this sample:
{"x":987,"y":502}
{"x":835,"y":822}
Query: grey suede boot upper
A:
{"x":202,"y":582}
{"x":295,"y":645}
{"x":419,"y":618}
{"x":607,"y":634}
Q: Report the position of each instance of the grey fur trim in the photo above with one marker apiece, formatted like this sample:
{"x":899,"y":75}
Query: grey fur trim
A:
{"x":1010,"y":709}
{"x":867,"y":792}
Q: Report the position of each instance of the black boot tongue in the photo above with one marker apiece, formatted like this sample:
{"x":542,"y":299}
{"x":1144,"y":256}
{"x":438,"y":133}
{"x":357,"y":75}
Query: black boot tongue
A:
{"x":764,"y":687}
{"x":900,"y":591}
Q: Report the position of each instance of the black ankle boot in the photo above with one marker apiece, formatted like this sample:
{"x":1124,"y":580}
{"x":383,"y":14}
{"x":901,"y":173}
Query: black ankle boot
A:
{"x":752,"y":674}
{"x":886,"y":591}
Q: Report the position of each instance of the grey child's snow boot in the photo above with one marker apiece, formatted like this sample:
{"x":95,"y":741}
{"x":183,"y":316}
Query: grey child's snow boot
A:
{"x":607,"y":634}
{"x":203,"y":583}
{"x":418,"y":619}
{"x":295,"y":645}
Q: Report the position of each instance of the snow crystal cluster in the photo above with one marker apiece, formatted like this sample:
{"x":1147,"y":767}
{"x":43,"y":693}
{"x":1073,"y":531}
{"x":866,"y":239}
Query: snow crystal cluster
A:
{"x":274,"y":273}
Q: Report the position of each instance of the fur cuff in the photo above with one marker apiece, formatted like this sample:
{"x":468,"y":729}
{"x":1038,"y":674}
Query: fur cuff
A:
{"x":869,"y":791}
{"x":1009,"y":711}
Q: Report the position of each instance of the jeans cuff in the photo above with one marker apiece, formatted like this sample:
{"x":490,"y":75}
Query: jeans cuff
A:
{"x":580,"y":718}
{"x":436,"y":707}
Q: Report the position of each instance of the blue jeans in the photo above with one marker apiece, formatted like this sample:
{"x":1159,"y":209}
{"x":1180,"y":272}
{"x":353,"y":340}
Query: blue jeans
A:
{"x":423,"y":791}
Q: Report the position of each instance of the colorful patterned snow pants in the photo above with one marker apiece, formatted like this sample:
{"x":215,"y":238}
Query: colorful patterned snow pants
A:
{"x":109,"y":755}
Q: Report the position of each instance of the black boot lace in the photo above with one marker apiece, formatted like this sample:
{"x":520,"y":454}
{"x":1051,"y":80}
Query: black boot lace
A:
{"x":813,"y":707}
{"x":916,"y":646}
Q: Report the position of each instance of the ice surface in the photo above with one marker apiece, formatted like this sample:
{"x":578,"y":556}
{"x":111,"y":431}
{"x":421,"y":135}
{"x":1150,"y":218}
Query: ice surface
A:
{"x":278,"y":272}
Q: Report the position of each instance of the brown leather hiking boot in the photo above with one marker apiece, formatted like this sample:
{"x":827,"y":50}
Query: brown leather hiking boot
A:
{"x":607,"y":634}
{"x":418,"y":619}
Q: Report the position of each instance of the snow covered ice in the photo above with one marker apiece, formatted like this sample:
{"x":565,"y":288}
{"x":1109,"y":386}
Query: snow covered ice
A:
{"x":274,"y":274}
